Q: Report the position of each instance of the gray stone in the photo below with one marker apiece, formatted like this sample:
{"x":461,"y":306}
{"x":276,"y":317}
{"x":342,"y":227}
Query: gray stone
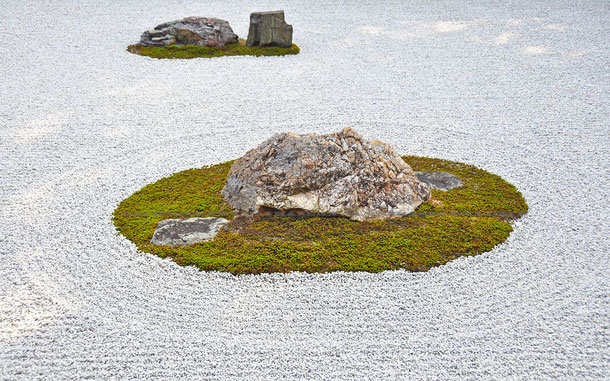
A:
{"x":440,"y":180}
{"x":166,"y":24}
{"x":200,"y":31}
{"x":338,"y":174}
{"x":269,"y":29}
{"x":189,"y":36}
{"x":155,"y":32}
{"x":185,"y":232}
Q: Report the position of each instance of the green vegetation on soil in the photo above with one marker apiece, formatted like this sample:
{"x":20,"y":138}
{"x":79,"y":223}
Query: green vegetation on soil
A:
{"x":193,"y":51}
{"x":468,"y":220}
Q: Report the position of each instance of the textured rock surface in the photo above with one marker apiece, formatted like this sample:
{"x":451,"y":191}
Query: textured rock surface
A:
{"x":338,"y":174}
{"x":200,"y":31}
{"x":269,"y":29}
{"x":439,"y":180}
{"x":188,"y":231}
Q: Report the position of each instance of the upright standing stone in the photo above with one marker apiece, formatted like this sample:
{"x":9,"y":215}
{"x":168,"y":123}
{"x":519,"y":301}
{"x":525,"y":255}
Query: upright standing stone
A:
{"x":439,"y":180}
{"x":269,"y":29}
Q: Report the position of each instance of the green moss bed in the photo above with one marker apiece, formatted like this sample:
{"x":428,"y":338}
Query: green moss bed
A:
{"x":193,"y":51}
{"x":468,"y":220}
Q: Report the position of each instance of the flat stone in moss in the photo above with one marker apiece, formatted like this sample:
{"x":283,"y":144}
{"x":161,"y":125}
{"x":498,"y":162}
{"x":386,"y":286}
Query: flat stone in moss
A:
{"x":439,"y":180}
{"x":185,"y":232}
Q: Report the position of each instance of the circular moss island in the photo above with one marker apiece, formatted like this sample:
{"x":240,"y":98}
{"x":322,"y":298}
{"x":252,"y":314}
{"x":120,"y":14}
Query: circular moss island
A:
{"x":464,"y":221}
{"x":194,"y":51}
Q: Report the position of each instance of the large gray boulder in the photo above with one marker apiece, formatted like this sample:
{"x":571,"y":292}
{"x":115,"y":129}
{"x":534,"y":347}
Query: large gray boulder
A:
{"x":338,"y":174}
{"x":200,"y":31}
{"x":187,"y":231}
{"x":269,"y":29}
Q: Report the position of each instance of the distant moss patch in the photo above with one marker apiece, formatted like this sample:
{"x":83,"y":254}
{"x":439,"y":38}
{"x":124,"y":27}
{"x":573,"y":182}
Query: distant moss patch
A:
{"x":468,"y":220}
{"x":193,"y":51}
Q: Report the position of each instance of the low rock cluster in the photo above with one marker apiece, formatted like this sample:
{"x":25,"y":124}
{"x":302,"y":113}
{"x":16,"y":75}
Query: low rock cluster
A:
{"x":200,"y":31}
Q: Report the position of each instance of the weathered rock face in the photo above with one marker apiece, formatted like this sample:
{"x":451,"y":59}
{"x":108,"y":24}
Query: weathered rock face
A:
{"x":338,"y":174}
{"x":269,"y":29}
{"x":440,"y":180}
{"x":188,"y":231}
{"x":200,"y":31}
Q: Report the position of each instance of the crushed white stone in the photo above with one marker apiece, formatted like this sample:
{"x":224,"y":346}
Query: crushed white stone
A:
{"x":83,"y":124}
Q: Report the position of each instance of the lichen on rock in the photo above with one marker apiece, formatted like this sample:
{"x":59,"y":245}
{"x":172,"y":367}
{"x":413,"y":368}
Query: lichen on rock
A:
{"x":199,"y":31}
{"x":337,"y":174}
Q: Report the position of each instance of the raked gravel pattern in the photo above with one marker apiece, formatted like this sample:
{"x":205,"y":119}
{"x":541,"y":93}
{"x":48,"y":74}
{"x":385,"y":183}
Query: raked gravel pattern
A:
{"x":519,"y":88}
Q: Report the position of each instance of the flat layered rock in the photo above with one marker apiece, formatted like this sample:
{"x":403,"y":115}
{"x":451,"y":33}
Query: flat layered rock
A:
{"x":188,"y":231}
{"x":200,"y":31}
{"x":440,"y":180}
{"x":338,"y":174}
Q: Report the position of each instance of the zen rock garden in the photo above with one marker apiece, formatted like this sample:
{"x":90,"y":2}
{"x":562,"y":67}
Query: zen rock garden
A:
{"x":268,"y":34}
{"x":314,"y":203}
{"x":339,"y":174}
{"x":321,"y":203}
{"x":357,"y":211}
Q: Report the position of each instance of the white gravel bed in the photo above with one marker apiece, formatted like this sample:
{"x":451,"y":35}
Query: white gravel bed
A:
{"x":519,"y":88}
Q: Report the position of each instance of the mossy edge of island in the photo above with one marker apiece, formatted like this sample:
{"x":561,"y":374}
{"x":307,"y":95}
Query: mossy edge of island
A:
{"x":193,"y":51}
{"x":465,"y":221}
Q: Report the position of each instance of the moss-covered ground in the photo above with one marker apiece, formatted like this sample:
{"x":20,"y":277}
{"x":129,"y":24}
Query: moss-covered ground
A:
{"x":468,"y":220}
{"x":193,"y":51}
